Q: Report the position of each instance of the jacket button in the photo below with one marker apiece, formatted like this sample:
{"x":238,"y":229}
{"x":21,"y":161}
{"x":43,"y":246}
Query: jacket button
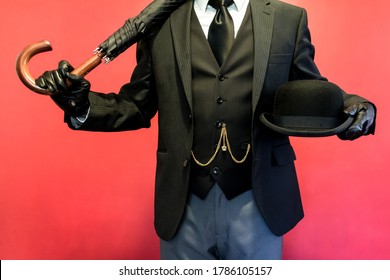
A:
{"x":215,"y":170}
{"x":185,"y":163}
{"x":218,"y":124}
{"x":219,"y":100}
{"x":221,"y":77}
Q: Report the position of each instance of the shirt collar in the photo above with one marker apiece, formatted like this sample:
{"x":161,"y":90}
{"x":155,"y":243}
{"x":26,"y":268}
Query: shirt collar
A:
{"x":202,"y":4}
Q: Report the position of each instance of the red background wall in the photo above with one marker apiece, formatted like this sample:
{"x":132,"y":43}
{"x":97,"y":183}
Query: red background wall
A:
{"x":63,"y":196}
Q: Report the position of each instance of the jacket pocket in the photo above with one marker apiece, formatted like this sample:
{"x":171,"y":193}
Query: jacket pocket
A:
{"x":283,"y":155}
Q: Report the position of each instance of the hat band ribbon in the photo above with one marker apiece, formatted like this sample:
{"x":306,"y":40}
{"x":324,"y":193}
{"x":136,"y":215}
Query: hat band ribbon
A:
{"x":306,"y":122}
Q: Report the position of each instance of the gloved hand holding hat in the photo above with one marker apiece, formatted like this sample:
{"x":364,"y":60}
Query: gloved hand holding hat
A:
{"x":311,"y":108}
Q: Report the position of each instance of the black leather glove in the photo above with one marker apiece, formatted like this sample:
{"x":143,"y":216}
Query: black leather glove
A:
{"x":363,"y":124}
{"x":72,"y":98}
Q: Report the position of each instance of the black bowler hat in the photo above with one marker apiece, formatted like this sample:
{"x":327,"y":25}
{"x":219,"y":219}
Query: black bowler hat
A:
{"x":308,"y":108}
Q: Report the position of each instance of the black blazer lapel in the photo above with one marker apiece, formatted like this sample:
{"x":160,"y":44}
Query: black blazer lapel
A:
{"x":263,"y":20}
{"x":180,"y":28}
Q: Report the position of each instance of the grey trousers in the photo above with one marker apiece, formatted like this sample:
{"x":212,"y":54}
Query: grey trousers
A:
{"x":217,"y":228}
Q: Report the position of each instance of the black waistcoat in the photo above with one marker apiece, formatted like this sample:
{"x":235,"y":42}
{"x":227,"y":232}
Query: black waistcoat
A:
{"x":222,"y":95}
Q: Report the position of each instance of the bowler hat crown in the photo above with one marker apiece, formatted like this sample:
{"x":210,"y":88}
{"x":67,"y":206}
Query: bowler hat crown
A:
{"x":308,"y":108}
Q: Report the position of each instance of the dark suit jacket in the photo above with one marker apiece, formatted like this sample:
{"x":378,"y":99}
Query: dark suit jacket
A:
{"x":161,"y":82}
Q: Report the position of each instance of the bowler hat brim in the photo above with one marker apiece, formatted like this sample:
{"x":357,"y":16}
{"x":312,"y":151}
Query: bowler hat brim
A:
{"x":306,"y":126}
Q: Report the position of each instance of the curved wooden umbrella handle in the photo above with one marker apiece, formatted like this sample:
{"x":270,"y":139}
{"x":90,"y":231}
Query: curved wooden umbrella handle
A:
{"x":43,"y":46}
{"x":22,"y":64}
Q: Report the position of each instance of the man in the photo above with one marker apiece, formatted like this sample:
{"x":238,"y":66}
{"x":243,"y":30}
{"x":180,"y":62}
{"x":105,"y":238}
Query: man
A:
{"x":226,"y":186}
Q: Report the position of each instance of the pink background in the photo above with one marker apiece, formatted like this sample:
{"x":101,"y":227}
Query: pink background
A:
{"x":63,"y":196}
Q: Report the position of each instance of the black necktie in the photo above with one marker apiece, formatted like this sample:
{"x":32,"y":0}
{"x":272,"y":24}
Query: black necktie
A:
{"x":221,"y":32}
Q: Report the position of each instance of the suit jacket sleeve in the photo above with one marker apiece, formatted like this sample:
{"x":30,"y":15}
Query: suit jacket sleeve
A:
{"x":303,"y":65}
{"x":132,"y":108}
